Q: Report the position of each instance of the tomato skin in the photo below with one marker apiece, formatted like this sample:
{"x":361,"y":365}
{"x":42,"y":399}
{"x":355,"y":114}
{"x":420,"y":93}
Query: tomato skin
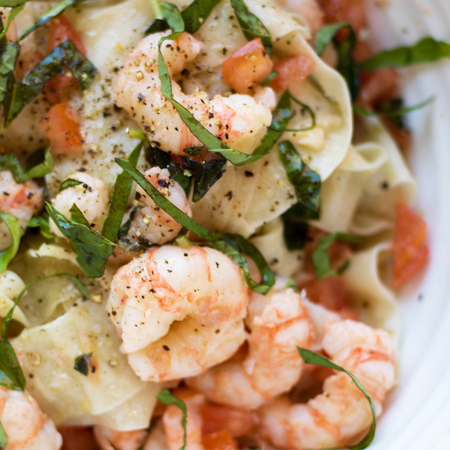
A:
{"x":61,"y":127}
{"x":219,"y":441}
{"x":249,"y":66}
{"x":216,"y":418}
{"x":59,"y":30}
{"x":331,"y":292}
{"x":349,"y":11}
{"x":76,"y":438}
{"x":410,"y":251}
{"x":291,"y":71}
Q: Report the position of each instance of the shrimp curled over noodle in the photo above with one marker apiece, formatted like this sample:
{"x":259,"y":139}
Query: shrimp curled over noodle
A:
{"x":342,"y":411}
{"x":26,"y":426}
{"x":179,"y":311}
{"x":237,"y":120}
{"x":278,"y":323}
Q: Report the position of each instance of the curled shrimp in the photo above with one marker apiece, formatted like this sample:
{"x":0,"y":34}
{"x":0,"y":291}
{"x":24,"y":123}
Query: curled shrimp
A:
{"x":178,"y":310}
{"x":109,"y":439}
{"x":20,"y":200}
{"x":26,"y":426}
{"x":237,"y":120}
{"x":150,"y":223}
{"x":91,"y":197}
{"x":342,"y":412}
{"x":278,"y":323}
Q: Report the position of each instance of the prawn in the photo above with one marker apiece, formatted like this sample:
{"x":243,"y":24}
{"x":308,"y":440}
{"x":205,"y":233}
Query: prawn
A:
{"x":342,"y":412}
{"x":20,"y":200}
{"x":110,"y":439}
{"x":237,"y":120}
{"x":178,"y":310}
{"x":150,"y":223}
{"x":91,"y":197}
{"x":26,"y":426}
{"x":278,"y":323}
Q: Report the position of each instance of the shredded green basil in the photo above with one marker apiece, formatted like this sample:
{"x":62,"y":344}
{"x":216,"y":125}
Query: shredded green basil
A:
{"x":3,"y":437}
{"x":78,"y":216}
{"x":295,"y":232}
{"x":391,"y":109}
{"x":193,"y":16}
{"x":119,"y":199}
{"x":65,"y":55}
{"x":310,"y":112}
{"x":13,"y":225}
{"x":69,"y":183}
{"x":11,"y":16}
{"x":12,"y":3}
{"x":320,"y":260}
{"x":82,"y":363}
{"x":37,"y":165}
{"x":92,"y":249}
{"x":306,"y":182}
{"x":47,"y":16}
{"x":166,"y":398}
{"x":310,"y":357}
{"x":427,"y":50}
{"x":43,"y":224}
{"x":326,"y":34}
{"x":8,"y":60}
{"x":251,"y":26}
{"x":230,"y":244}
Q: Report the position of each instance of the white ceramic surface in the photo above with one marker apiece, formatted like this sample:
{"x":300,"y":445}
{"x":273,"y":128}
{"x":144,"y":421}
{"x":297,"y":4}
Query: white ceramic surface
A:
{"x":418,"y":416}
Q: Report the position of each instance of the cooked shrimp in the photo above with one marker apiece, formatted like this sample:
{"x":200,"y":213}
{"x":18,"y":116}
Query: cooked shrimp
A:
{"x":236,"y":120}
{"x":178,"y":311}
{"x":151,"y":224}
{"x":157,"y":438}
{"x":278,"y":323}
{"x":20,"y":200}
{"x":26,"y":426}
{"x":91,"y":197}
{"x":110,"y":439}
{"x":174,"y":430}
{"x":342,"y":412}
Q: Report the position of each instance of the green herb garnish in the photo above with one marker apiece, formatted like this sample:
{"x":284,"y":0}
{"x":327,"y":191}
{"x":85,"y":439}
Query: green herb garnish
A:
{"x":43,"y":224}
{"x":166,"y":398}
{"x":69,"y":183}
{"x":251,"y":26}
{"x":310,"y":357}
{"x":82,"y":363}
{"x":13,"y":225}
{"x":320,"y":260}
{"x":230,"y":244}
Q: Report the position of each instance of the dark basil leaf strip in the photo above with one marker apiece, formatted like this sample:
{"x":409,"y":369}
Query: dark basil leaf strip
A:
{"x":166,"y":398}
{"x":119,"y":199}
{"x":306,"y":182}
{"x":47,"y":16}
{"x":326,"y":34}
{"x":92,"y":249}
{"x":231,"y":244}
{"x":310,"y":357}
{"x":196,"y":13}
{"x":63,"y":55}
{"x":251,"y":26}
{"x":347,"y":66}
{"x":12,"y":14}
{"x":310,"y":113}
{"x":12,"y":3}
{"x":43,"y":224}
{"x":427,"y":50}
{"x":37,"y":165}
{"x":394,"y":112}
{"x":3,"y":437}
{"x":13,"y":226}
{"x":69,"y":183}
{"x":320,"y":260}
{"x":9,"y":57}
{"x":78,"y":216}
{"x":82,"y":363}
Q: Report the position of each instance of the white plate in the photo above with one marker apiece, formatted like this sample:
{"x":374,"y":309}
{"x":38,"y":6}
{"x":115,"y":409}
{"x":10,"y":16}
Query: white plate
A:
{"x":417,"y":416}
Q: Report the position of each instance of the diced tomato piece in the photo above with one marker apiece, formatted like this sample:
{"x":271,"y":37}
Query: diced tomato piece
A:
{"x":249,"y":66}
{"x":219,"y":441}
{"x":350,"y":11}
{"x":378,"y":86}
{"x":61,"y":126}
{"x":410,"y":252}
{"x":59,"y":30}
{"x":216,"y":418}
{"x":331,"y":292}
{"x":291,"y":71}
{"x":76,"y":438}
